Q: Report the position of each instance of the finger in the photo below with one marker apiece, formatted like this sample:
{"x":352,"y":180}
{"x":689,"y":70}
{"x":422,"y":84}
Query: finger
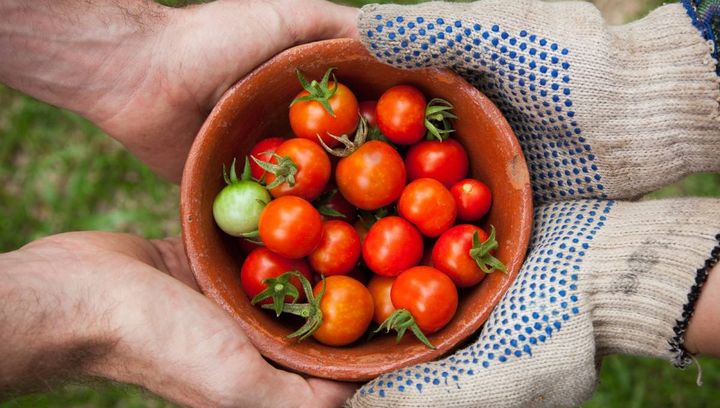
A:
{"x":331,"y":393}
{"x":312,"y":20}
{"x":172,"y":260}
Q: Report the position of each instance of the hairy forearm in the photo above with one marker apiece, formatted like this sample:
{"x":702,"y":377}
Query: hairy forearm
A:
{"x":72,"y":53}
{"x":47,"y":333}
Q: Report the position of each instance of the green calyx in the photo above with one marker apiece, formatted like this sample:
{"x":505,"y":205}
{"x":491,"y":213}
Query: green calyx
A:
{"x":401,"y":320}
{"x":278,"y":289}
{"x":231,"y":178}
{"x":438,"y":119}
{"x":480,"y":252}
{"x":349,"y":145}
{"x":284,"y":170}
{"x":318,"y":91}
{"x":322,"y":204}
{"x":310,"y":311}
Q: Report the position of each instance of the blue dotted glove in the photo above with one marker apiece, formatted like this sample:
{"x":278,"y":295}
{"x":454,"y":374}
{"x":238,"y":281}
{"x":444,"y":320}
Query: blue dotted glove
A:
{"x":602,"y":113}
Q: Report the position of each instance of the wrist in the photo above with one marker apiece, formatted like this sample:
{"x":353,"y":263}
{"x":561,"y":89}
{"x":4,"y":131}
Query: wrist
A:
{"x":79,"y":55}
{"x":51,"y":326}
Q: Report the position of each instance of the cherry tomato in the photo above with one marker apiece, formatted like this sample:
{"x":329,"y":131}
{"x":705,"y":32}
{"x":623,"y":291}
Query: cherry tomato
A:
{"x":401,"y":114}
{"x":291,"y":227}
{"x":446,"y":161}
{"x":428,"y":205}
{"x":263,"y":150}
{"x":339,"y":249}
{"x":368,"y":110}
{"x":238,"y":206}
{"x":347,"y":309}
{"x":379,"y":287}
{"x":451,"y":255}
{"x":309,"y":119}
{"x":312,"y":165}
{"x":472,"y":198}
{"x":428,"y":294}
{"x":391,"y":246}
{"x":371,"y":177}
{"x":262,"y":264}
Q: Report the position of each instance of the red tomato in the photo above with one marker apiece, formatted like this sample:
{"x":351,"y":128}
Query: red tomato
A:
{"x":309,"y":119}
{"x":368,"y":110}
{"x":263,"y":151}
{"x":347,"y":309}
{"x":401,"y":114}
{"x":472,"y":198}
{"x":371,"y":177}
{"x":379,"y":287}
{"x":451,"y":255}
{"x":429,"y":205}
{"x":446,"y":161}
{"x":428,"y":294}
{"x":391,"y":246}
{"x":339,"y":249}
{"x":290,"y":226}
{"x":262,"y":264}
{"x":313,"y":169}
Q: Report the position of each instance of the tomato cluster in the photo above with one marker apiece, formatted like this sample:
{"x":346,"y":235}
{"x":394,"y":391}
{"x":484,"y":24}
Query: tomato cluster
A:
{"x":397,"y":205}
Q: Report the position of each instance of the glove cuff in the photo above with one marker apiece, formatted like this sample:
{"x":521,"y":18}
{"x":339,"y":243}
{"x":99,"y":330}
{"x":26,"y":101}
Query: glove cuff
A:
{"x":647,"y":268}
{"x":705,"y":15}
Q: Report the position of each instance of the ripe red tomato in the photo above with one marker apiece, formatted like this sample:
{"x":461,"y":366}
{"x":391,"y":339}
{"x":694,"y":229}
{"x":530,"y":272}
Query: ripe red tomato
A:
{"x":379,"y":287}
{"x":312,"y":165}
{"x":290,"y":226}
{"x":391,"y":246}
{"x":428,"y":294}
{"x":263,"y":151}
{"x":451,"y":255}
{"x":347,"y":309}
{"x":401,"y":114}
{"x":472,"y":198}
{"x":369,"y":112}
{"x":428,"y":205}
{"x":371,"y":177}
{"x":339,"y":249}
{"x":446,"y":161}
{"x":262,"y":264}
{"x":309,"y":119}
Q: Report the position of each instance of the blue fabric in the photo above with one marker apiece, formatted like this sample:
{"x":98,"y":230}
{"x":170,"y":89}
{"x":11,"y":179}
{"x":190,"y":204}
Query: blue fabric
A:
{"x":705,"y":15}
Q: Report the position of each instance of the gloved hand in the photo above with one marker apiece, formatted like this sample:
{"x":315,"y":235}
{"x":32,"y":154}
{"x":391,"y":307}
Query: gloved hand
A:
{"x":602,"y":112}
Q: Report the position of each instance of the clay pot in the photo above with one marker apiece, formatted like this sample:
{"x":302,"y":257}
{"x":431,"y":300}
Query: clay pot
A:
{"x":256,"y":108}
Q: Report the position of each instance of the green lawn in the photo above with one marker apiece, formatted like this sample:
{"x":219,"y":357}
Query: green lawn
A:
{"x":59,"y":173}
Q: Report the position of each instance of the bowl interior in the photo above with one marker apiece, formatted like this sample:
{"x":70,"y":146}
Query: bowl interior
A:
{"x":256,"y":108}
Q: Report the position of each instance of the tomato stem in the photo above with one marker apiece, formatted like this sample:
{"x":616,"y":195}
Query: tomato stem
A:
{"x":480,"y":252}
{"x":401,"y":320}
{"x":322,"y":204}
{"x":277,"y":289}
{"x":350,"y":146}
{"x":284,"y":171}
{"x":438,"y":118}
{"x":318,"y":91}
{"x":309,"y":311}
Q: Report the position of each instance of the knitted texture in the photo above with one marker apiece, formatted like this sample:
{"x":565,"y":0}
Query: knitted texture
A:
{"x":603,"y":112}
{"x":601,"y":277}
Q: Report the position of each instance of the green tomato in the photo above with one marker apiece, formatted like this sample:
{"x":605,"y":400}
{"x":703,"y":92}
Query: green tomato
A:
{"x":238,"y":206}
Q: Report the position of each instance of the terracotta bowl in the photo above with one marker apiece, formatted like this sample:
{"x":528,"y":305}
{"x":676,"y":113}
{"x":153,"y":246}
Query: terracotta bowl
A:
{"x":256,"y":108}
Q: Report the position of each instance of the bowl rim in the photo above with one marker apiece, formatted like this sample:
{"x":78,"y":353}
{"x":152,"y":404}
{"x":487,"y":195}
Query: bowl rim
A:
{"x":290,"y":357}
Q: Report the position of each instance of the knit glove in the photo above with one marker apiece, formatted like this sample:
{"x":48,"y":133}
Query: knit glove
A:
{"x":607,"y":112}
{"x":601,"y":113}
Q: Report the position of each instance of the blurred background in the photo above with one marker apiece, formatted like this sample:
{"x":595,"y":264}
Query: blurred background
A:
{"x":60,"y":173}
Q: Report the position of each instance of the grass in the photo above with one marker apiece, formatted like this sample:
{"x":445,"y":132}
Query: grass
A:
{"x":59,"y":173}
